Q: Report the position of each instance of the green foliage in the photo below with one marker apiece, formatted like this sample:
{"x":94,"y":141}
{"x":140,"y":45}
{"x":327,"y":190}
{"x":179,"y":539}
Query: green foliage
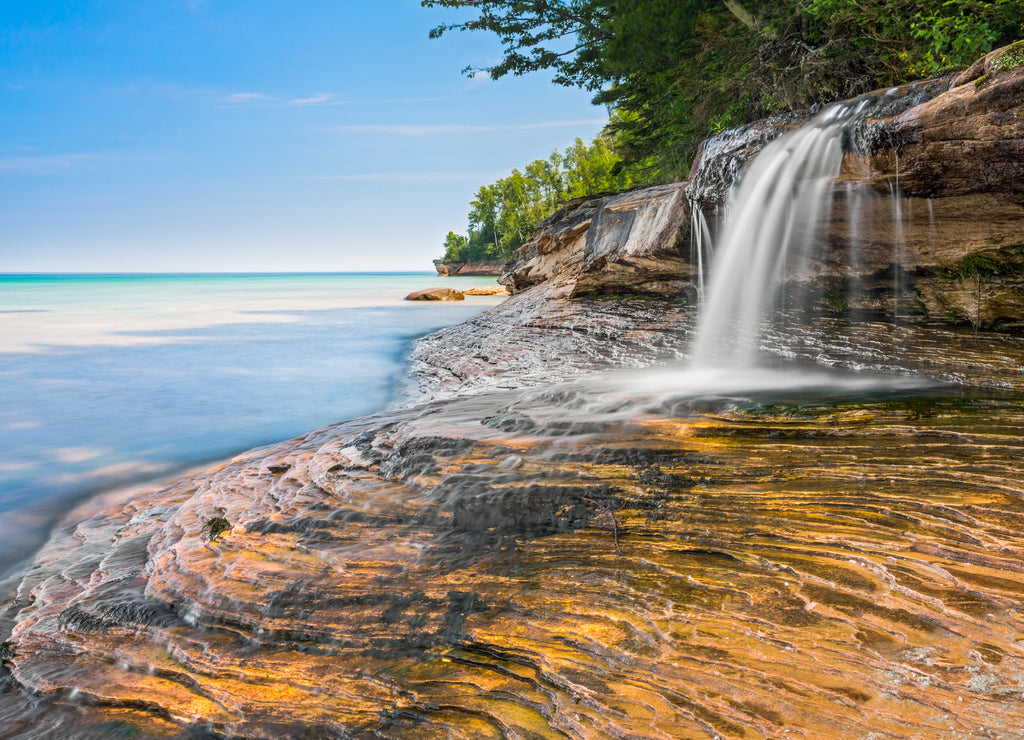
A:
{"x":675,"y":71}
{"x":979,"y":266}
{"x":563,"y":35}
{"x":456,"y":248}
{"x":504,"y":214}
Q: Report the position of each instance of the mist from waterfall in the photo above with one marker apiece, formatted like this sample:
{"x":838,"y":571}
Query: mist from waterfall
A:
{"x":774,"y":211}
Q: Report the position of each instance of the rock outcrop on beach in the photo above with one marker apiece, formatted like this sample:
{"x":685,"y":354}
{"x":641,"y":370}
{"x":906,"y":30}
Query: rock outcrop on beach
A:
{"x":436,"y":294}
{"x":469,"y":269}
{"x":626,"y":243}
{"x":486,"y":290}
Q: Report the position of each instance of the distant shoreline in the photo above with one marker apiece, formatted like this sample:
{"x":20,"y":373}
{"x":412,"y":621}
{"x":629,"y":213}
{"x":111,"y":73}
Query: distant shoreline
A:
{"x":23,"y":275}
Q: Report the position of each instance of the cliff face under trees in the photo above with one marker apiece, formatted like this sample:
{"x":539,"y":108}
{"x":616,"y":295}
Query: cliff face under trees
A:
{"x":925,"y":222}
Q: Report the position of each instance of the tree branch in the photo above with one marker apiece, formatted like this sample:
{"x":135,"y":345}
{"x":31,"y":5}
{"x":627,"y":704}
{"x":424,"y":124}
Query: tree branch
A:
{"x":741,"y":14}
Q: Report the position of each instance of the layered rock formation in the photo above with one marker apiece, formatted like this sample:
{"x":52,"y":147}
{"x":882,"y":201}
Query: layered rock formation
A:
{"x":956,"y":165}
{"x":488,"y":290}
{"x":626,"y":243}
{"x":474,"y":269}
{"x":925,"y":223}
{"x":584,"y":561}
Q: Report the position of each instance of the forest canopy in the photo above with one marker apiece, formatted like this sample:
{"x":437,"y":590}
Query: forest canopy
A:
{"x":673,"y":72}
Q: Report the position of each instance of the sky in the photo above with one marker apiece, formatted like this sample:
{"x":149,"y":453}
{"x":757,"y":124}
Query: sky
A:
{"x":254,"y":135}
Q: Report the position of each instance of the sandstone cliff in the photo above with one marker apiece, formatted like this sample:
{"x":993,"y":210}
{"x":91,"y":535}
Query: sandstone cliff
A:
{"x":956,"y":164}
{"x":626,"y":243}
{"x":926,"y":222}
{"x":469,"y":269}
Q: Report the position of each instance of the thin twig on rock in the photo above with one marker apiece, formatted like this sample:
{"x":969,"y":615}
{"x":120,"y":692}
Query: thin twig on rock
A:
{"x":611,"y":515}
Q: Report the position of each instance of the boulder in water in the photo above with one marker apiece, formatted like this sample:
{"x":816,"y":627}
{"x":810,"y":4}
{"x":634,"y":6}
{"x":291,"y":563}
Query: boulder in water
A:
{"x":487,"y":290}
{"x":436,"y":294}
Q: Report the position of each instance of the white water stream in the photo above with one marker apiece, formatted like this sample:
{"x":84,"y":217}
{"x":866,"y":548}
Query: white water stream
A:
{"x":774,"y":213}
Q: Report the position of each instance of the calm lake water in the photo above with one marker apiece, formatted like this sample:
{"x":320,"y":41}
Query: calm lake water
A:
{"x":108,"y":379}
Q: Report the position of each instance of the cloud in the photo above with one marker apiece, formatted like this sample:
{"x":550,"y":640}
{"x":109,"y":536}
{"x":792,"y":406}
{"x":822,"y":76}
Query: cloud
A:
{"x":446,"y":176}
{"x":247,"y":97}
{"x":43,"y":164}
{"x":412,"y":129}
{"x":317,"y":99}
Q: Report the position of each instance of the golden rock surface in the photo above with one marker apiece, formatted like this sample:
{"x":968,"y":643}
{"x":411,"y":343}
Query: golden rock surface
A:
{"x":436,"y":294}
{"x":486,"y":290}
{"x":835,"y":568}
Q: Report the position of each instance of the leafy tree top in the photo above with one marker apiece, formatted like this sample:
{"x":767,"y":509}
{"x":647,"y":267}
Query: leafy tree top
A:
{"x":675,"y":71}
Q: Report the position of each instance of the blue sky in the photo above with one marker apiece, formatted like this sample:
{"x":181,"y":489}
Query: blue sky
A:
{"x":253,"y":135}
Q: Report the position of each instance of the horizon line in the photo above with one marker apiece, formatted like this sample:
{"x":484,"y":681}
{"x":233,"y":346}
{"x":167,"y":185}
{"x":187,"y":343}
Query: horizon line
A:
{"x":169,"y":273}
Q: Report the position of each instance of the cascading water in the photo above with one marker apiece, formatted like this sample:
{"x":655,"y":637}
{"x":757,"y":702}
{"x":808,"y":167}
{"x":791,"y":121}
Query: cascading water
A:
{"x":700,"y":245}
{"x":774,"y":211}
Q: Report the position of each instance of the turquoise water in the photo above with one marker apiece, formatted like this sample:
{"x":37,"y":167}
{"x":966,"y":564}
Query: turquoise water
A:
{"x":109,"y":379}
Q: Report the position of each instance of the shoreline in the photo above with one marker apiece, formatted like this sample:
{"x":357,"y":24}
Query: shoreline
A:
{"x":85,"y":413}
{"x":383,"y":544}
{"x":419,"y":559}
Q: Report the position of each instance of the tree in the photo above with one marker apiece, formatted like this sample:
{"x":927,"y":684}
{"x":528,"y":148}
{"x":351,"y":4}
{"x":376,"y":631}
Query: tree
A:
{"x":504,"y":214}
{"x":455,"y":247}
{"x":675,"y":71}
{"x":563,"y":35}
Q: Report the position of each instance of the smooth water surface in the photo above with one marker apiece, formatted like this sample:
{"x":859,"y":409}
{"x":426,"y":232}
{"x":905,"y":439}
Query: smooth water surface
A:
{"x":107,"y":379}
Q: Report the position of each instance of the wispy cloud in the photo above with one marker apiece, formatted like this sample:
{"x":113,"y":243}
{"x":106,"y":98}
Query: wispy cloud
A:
{"x":407,"y":129}
{"x":43,"y":164}
{"x":446,"y":176}
{"x":317,"y":99}
{"x":243,"y":98}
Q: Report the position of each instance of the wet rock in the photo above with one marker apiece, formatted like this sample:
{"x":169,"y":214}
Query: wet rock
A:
{"x":864,"y":566}
{"x":436,"y":294}
{"x":539,"y":337}
{"x":722,"y":158}
{"x":925,"y":219}
{"x":216,"y":527}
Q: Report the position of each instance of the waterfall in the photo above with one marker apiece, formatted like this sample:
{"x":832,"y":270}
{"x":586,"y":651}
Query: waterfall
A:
{"x":700,"y":245}
{"x":774,"y":214}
